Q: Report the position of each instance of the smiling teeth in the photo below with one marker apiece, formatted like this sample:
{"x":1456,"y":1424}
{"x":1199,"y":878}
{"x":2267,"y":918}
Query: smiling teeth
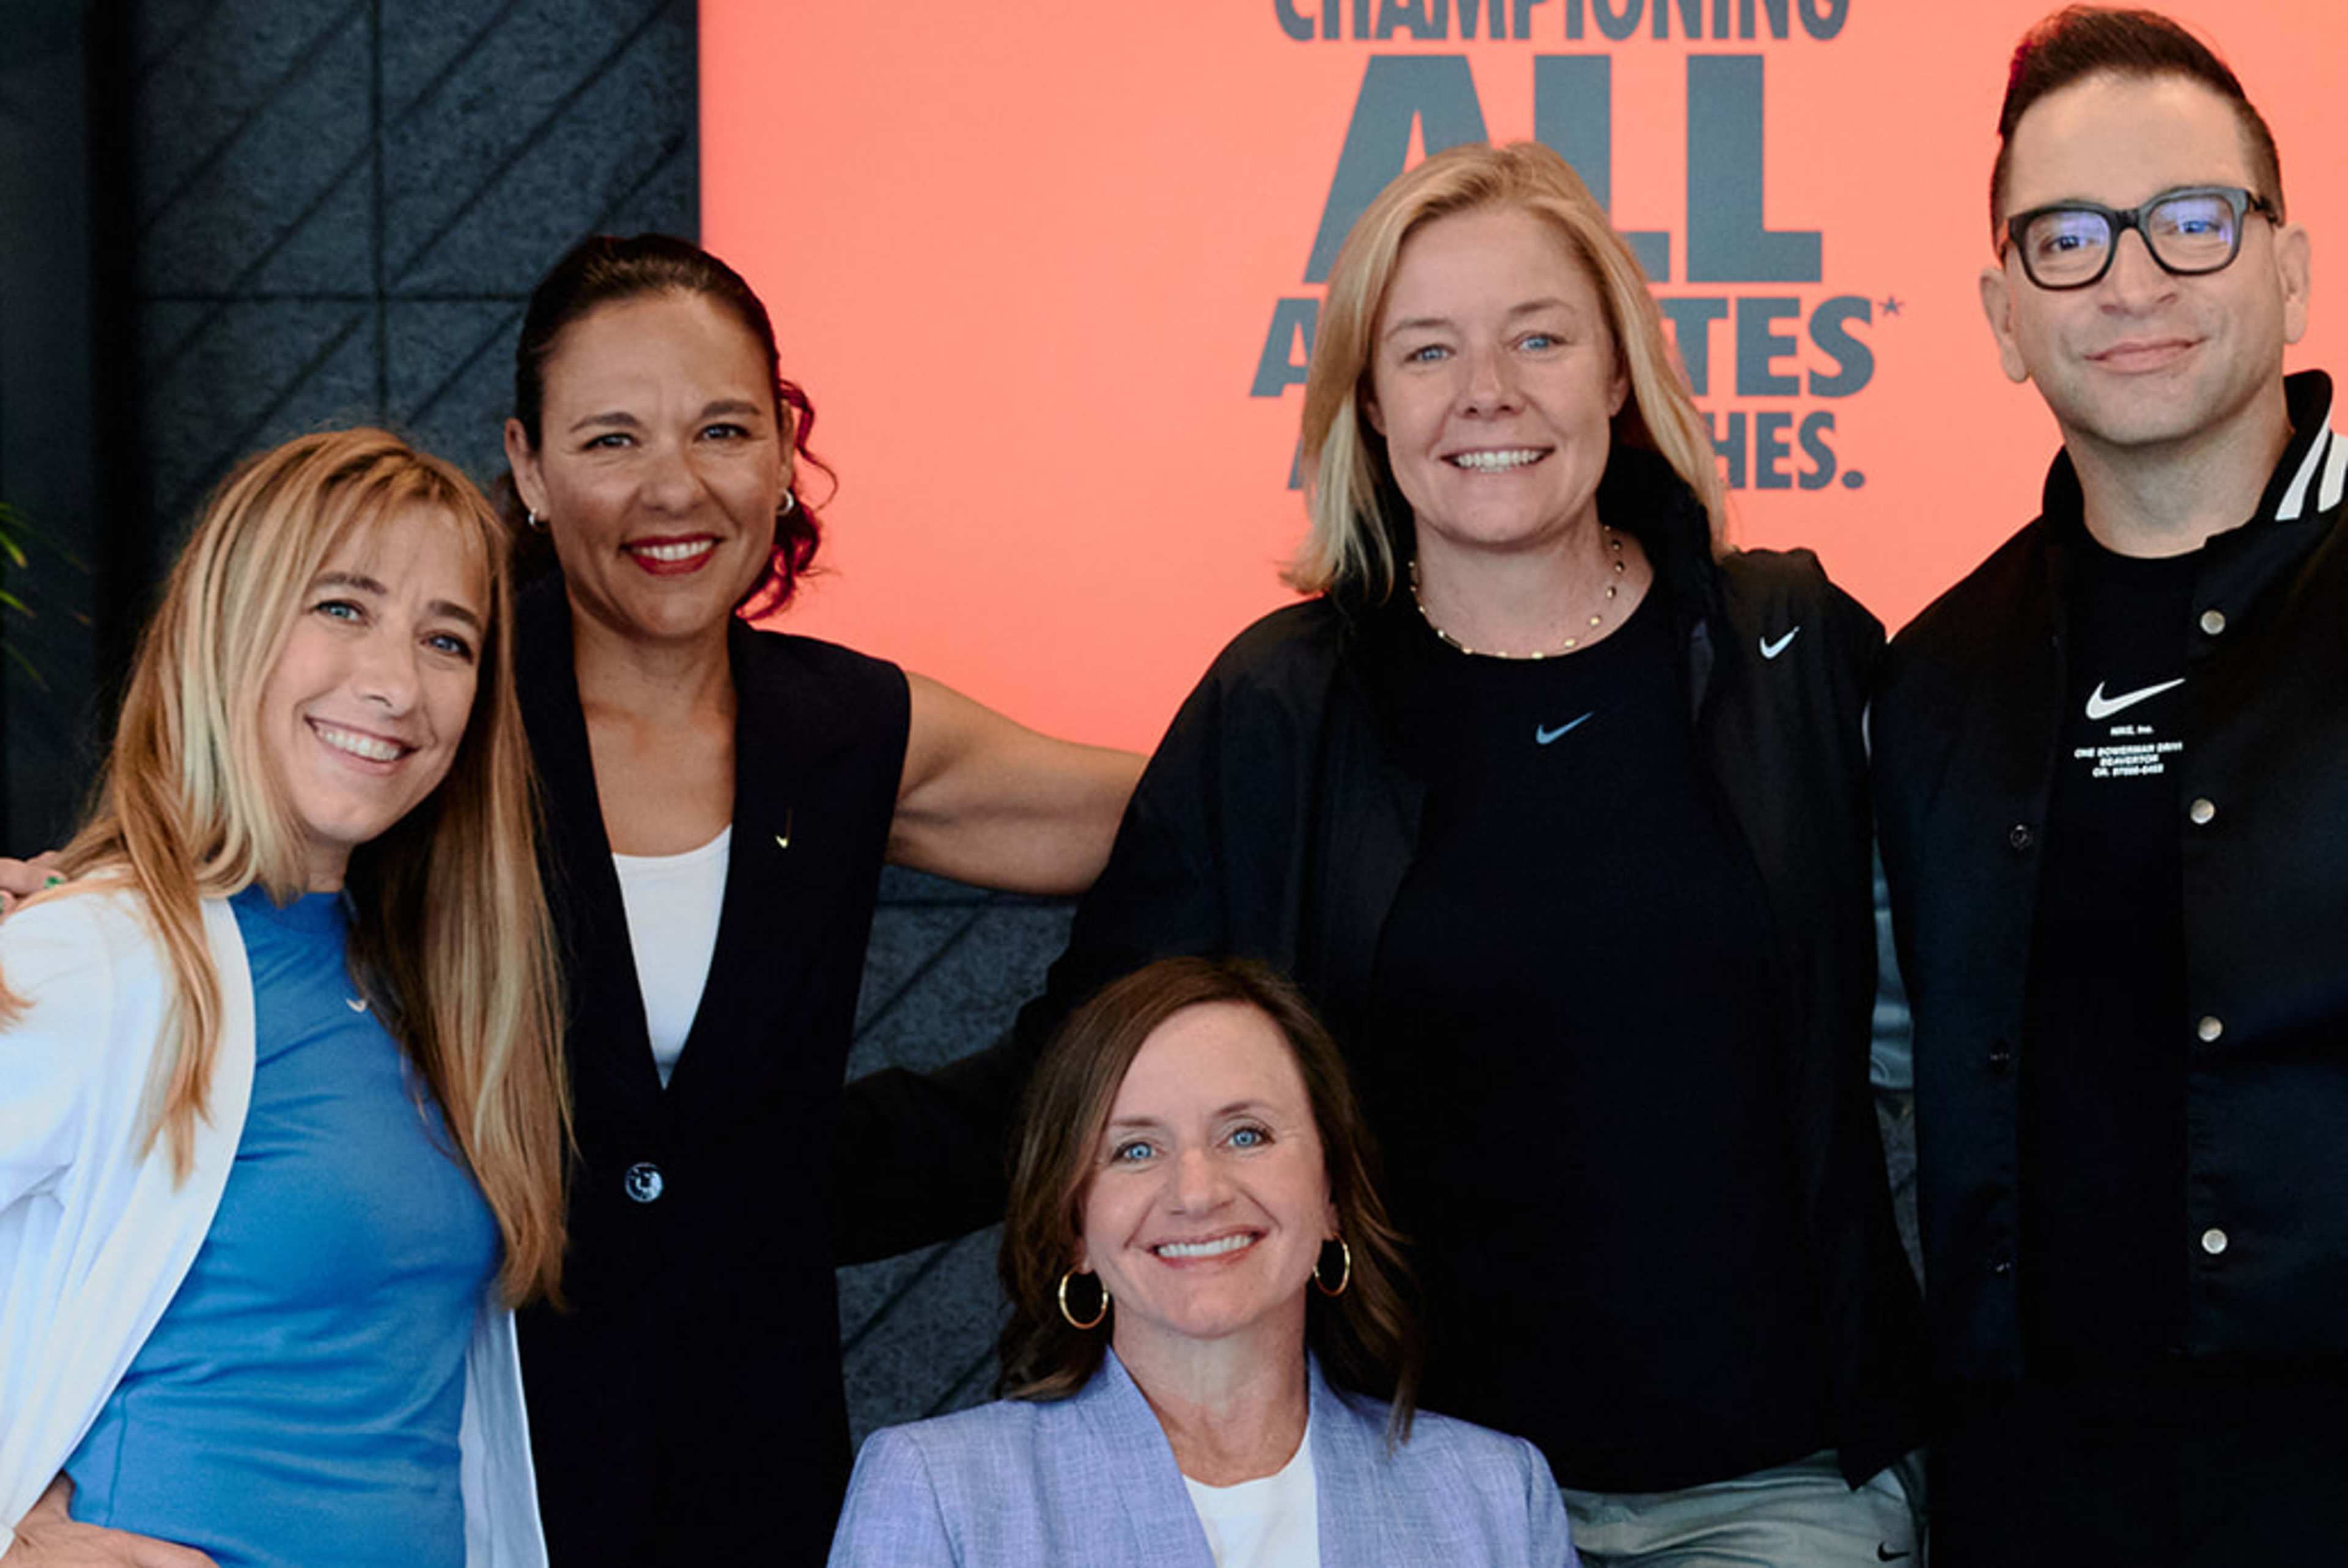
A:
{"x":1203,"y":1248}
{"x":674,"y":552}
{"x":1492,"y":461}
{"x":372,"y":748}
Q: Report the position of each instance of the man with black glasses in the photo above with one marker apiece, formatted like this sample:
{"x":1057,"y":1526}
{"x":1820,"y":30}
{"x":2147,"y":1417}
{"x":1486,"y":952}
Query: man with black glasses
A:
{"x":2113,"y":777}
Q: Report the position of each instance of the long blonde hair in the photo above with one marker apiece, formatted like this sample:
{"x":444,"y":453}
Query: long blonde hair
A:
{"x":450,"y":938}
{"x":1360,"y":526}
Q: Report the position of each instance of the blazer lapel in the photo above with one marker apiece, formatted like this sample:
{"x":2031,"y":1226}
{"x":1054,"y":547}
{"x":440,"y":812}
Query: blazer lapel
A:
{"x":1143,"y":1510}
{"x":1348,"y":1453}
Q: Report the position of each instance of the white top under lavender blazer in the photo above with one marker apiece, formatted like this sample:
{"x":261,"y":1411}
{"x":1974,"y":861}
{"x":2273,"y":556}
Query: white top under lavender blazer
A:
{"x":1092,"y":1479}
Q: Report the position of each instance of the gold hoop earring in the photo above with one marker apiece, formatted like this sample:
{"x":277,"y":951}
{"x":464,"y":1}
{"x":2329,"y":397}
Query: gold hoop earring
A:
{"x":1344,"y":1277}
{"x":1071,"y":1317}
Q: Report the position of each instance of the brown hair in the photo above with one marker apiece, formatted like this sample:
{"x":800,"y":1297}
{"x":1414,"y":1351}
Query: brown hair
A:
{"x":1361,"y":525}
{"x":449,"y":935}
{"x":1368,"y":1338}
{"x":2082,"y":41}
{"x":606,"y":269}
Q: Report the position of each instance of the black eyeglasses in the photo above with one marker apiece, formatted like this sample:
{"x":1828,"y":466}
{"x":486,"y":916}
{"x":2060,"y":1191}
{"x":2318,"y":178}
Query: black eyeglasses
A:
{"x":2195,"y":229}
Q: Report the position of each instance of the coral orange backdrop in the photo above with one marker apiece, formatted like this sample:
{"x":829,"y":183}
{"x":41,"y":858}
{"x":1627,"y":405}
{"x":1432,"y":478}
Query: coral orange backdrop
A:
{"x":1047,"y":271}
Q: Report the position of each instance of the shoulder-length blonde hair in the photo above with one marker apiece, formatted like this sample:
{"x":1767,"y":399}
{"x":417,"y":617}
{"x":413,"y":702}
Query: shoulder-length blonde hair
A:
{"x":1367,"y":1337}
{"x":450,"y":938}
{"x":1360,"y":532}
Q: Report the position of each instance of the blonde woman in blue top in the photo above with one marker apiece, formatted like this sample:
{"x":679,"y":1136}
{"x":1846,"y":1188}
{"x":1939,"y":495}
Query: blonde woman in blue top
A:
{"x":281,"y":1124}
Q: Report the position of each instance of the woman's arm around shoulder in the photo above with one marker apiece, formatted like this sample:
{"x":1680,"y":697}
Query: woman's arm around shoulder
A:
{"x":20,"y":879}
{"x":892,"y":1518}
{"x":48,"y":1537}
{"x":986,"y":799}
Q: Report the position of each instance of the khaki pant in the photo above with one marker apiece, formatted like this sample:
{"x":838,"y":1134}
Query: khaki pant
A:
{"x":1798,"y":1515}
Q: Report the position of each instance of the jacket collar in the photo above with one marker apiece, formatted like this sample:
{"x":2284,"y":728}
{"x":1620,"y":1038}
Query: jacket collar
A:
{"x":1159,"y":1523}
{"x":2310,"y":479}
{"x":1354,"y":1495}
{"x":2301,"y":495}
{"x":1640,"y":494}
{"x":1162,"y":1526}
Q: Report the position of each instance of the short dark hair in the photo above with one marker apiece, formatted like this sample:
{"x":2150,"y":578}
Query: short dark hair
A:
{"x":1368,"y":1338}
{"x":2082,"y":41}
{"x":605,"y":269}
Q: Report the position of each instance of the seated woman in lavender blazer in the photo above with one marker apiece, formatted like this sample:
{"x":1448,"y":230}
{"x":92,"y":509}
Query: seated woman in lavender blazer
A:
{"x":1201,"y":1277}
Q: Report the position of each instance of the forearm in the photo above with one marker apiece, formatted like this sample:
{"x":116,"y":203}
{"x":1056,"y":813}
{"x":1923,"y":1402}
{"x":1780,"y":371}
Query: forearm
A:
{"x":924,"y":1157}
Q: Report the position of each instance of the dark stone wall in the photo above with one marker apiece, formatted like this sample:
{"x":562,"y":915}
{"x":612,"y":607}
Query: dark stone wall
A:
{"x":52,"y":456}
{"x":947,"y":971}
{"x":342,"y":207}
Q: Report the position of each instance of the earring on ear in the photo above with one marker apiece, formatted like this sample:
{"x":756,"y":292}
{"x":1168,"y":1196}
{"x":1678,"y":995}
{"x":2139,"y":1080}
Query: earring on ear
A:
{"x":1093,"y":1322}
{"x":537,"y":523}
{"x":791,"y":504}
{"x":1345,"y":1276}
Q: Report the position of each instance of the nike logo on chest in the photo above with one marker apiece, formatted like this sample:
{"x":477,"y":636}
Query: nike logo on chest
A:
{"x":1543,"y":734}
{"x":2102,"y":707}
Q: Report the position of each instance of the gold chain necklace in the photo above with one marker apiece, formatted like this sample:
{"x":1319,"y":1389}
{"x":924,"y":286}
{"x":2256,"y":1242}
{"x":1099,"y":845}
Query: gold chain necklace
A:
{"x":1597,"y":616}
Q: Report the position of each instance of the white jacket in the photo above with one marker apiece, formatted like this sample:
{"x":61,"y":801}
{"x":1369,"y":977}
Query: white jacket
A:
{"x":95,"y":1235}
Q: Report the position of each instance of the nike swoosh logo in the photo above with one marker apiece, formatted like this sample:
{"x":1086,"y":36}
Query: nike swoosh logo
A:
{"x":1771,"y":650}
{"x":1543,"y":735}
{"x":2102,"y":707}
{"x":356,"y":1004}
{"x":1884,"y":1553}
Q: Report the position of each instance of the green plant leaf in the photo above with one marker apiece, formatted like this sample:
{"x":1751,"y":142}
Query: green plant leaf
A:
{"x":32,"y":674}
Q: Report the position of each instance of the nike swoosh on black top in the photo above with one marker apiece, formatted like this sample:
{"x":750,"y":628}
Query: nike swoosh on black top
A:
{"x":1543,"y":735}
{"x":2102,"y":707}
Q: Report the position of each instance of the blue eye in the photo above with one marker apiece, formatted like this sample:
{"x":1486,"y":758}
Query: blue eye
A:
{"x":725,"y":433}
{"x":610,"y":440}
{"x":1428,"y":354}
{"x":1251,"y":1138}
{"x":339,"y":609}
{"x":2066,"y":231}
{"x":1132,"y":1152}
{"x":1538,"y":341}
{"x":449,"y":642}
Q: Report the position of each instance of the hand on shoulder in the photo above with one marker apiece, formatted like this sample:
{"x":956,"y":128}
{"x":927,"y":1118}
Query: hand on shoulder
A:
{"x":20,"y":879}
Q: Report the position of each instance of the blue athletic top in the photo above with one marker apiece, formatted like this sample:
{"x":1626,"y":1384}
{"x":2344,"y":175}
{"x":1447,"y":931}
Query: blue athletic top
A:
{"x":298,"y":1403}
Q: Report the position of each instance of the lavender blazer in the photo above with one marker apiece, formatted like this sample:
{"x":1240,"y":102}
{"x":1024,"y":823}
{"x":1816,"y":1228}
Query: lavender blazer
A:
{"x":1092,"y":1480}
